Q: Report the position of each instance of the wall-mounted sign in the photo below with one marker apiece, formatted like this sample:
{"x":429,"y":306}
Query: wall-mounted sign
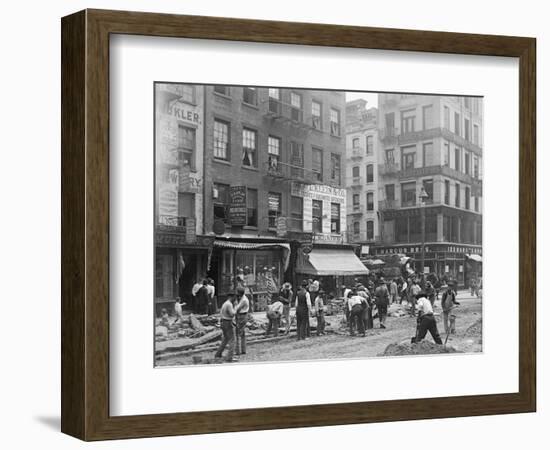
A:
{"x":190,"y":229}
{"x":237,"y":206}
{"x":281,"y":226}
{"x":168,"y":203}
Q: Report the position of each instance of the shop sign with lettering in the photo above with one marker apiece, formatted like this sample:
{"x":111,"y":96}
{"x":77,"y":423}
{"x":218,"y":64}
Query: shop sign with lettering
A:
{"x":237,"y":206}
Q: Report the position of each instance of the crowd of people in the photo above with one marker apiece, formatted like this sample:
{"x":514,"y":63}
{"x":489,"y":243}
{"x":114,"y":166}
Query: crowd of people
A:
{"x":362,"y":305}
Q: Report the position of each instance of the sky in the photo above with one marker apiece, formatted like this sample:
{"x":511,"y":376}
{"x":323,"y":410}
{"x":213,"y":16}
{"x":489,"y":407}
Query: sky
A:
{"x":370,"y":97}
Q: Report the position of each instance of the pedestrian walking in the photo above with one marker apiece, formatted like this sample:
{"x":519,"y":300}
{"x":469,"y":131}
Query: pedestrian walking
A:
{"x":211,"y":290}
{"x":303,"y":308}
{"x":274,"y":313}
{"x":285,"y":296}
{"x":227,"y":316}
{"x":448,"y":303}
{"x":430,"y":292}
{"x":426,"y":320}
{"x":382,"y":298}
{"x":242,"y":310}
{"x":320,"y":312}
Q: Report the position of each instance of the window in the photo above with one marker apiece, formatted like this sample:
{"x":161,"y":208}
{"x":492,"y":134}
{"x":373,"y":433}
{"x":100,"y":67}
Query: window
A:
{"x":428,"y":154}
{"x":355,"y":172}
{"x":408,"y":194}
{"x":356,"y":143}
{"x":407,"y":121}
{"x":335,"y":174}
{"x":274,"y":208}
{"x":297,"y":159}
{"x":334,"y":122}
{"x":186,"y":146}
{"x":457,"y":159}
{"x":429,"y":188}
{"x":390,"y":124}
{"x":335,"y":217}
{"x":370,"y":173}
{"x":407,"y":157}
{"x":370,"y":145}
{"x":220,"y":194}
{"x":476,"y":134}
{"x":457,"y":195}
{"x":186,"y":207}
{"x":296,"y":112}
{"x":457,"y":124}
{"x":370,"y":201}
{"x":467,"y":102}
{"x":467,"y":156}
{"x":356,"y":200}
{"x":446,"y":117}
{"x":390,"y":158}
{"x":273,"y":153}
{"x":297,"y":213}
{"x":447,"y":192}
{"x":250,"y":96}
{"x":427,"y":117}
{"x":188,"y":94}
{"x":317,"y":163}
{"x":221,"y":140}
{"x":274,"y":103}
{"x":252,"y":207}
{"x":467,"y":198}
{"x":249,"y":148}
{"x":446,"y":154}
{"x":220,"y":89}
{"x":316,"y":120}
{"x":390,"y":192}
{"x":476,"y":167}
{"x":317,"y":215}
{"x":370,"y":230}
{"x":466,"y":129}
{"x":356,"y":228}
{"x":476,"y":203}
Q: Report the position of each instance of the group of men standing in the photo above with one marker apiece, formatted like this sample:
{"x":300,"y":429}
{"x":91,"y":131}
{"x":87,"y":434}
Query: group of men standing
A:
{"x":204,"y":297}
{"x":359,"y":303}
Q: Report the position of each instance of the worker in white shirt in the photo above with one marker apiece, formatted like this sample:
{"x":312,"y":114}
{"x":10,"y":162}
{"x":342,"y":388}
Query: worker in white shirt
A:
{"x":274,"y":314}
{"x":426,"y":320}
{"x":355,"y":306}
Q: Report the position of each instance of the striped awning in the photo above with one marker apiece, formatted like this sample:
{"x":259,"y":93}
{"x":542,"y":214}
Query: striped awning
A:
{"x":257,"y":246}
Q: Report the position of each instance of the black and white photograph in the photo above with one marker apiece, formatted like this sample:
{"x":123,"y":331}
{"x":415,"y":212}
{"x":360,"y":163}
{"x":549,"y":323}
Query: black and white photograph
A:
{"x":297,"y":224}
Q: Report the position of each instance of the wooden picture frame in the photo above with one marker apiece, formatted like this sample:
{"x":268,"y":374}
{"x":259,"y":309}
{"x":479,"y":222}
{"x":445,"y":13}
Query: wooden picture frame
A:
{"x":85,"y":224}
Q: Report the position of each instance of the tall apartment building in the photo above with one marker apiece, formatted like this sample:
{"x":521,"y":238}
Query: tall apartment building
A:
{"x":274,"y":189}
{"x":431,"y":144}
{"x":181,"y":248}
{"x":362,"y":173}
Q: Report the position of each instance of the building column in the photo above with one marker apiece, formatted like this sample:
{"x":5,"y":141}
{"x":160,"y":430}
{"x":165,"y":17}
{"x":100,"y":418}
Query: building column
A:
{"x":440,"y":237}
{"x":458,"y":230}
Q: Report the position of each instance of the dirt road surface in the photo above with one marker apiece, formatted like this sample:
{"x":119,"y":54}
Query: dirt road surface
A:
{"x":341,"y":345}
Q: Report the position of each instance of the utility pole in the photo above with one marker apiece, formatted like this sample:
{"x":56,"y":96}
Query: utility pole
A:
{"x":423,"y":196}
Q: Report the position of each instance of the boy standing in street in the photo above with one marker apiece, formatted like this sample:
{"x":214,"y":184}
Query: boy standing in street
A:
{"x":320,"y":313}
{"x":241,"y":311}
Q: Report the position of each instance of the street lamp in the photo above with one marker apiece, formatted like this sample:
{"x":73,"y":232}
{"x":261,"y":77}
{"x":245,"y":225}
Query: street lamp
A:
{"x":423,"y":196}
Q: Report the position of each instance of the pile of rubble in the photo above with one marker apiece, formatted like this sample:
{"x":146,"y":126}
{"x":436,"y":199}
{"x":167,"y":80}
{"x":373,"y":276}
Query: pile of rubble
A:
{"x":475,"y":329}
{"x":420,"y":348}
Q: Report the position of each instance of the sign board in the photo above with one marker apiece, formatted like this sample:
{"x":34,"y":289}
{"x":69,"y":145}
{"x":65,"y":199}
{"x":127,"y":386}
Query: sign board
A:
{"x":365,"y":249}
{"x":281,"y":226}
{"x":426,"y":269}
{"x":168,"y":203}
{"x":190,"y":229}
{"x":306,"y":249}
{"x":237,"y":206}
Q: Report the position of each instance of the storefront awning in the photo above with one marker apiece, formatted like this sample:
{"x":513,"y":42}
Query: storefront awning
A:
{"x":326,"y":262}
{"x":474,"y":257}
{"x":257,"y":246}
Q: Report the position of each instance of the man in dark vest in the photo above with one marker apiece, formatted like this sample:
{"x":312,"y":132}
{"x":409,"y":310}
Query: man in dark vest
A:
{"x":303,"y":308}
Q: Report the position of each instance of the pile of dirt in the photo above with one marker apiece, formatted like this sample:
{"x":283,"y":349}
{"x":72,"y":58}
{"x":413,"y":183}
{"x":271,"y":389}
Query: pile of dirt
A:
{"x":421,"y":348}
{"x":474,"y":329}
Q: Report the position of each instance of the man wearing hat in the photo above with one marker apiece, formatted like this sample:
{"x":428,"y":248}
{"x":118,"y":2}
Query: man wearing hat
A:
{"x":285,"y":297}
{"x":320,"y":312}
{"x":303,"y":308}
{"x":382,"y":299}
{"x":448,"y":303}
